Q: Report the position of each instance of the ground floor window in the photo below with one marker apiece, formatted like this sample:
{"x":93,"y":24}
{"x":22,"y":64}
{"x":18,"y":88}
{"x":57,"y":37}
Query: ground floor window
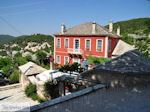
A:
{"x":58,"y":58}
{"x":66,"y":60}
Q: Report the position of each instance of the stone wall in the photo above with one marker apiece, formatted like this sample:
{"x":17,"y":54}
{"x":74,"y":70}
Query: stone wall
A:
{"x":100,"y":99}
{"x":12,"y":86}
{"x":47,"y":106}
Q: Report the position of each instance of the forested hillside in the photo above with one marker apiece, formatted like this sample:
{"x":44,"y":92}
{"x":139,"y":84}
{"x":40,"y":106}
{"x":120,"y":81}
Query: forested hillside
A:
{"x":140,"y":26}
{"x":22,"y":41}
{"x":5,"y":38}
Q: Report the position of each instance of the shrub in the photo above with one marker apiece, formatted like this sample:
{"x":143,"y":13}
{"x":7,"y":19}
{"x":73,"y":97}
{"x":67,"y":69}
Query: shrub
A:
{"x":51,"y":89}
{"x":30,"y":90}
{"x":96,"y":60}
{"x":71,"y":68}
{"x":14,"y":78}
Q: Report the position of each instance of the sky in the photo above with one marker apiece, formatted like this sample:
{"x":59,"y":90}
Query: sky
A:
{"x":25,"y":17}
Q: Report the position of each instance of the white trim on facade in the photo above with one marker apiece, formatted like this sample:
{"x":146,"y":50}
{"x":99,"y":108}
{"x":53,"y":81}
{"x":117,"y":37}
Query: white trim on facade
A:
{"x":54,"y":48}
{"x":65,"y":60}
{"x":59,"y":60}
{"x":106,"y":47}
{"x":101,"y":45}
{"x":90,"y":44}
{"x":64,"y":42}
{"x":61,"y":52}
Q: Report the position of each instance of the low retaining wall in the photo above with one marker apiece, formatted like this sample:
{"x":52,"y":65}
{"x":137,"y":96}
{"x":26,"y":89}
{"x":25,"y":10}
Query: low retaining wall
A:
{"x":49,"y":104}
{"x":12,"y":86}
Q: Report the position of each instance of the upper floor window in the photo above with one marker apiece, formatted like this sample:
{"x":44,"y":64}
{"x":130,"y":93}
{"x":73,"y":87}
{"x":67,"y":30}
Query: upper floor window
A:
{"x":87,"y":44}
{"x":66,"y":43}
{"x":58,"y":59}
{"x":98,"y":45}
{"x":77,"y":44}
{"x":58,"y":44}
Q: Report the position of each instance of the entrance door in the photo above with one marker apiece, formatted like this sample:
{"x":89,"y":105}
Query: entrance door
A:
{"x":76,"y":60}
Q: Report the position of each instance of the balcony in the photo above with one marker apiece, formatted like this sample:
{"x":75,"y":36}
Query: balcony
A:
{"x":75,"y":51}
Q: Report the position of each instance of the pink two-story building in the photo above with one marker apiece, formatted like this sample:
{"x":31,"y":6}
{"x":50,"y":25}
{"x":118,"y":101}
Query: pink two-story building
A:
{"x":88,"y":39}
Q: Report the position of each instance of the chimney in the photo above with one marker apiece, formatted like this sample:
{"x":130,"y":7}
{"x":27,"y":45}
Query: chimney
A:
{"x":63,"y":28}
{"x":94,"y":27}
{"x":118,"y":31}
{"x":110,"y":26}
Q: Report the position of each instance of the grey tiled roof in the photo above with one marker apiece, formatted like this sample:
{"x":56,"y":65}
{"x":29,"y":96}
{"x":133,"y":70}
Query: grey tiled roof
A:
{"x":86,"y":29}
{"x":31,"y":68}
{"x":131,"y":62}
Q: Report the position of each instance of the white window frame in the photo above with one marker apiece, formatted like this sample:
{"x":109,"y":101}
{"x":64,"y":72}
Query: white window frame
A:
{"x":65,"y":41}
{"x":57,"y":58}
{"x":74,"y":42}
{"x":101,"y":50}
{"x":57,"y":43}
{"x":65,"y":60}
{"x":90,"y":44}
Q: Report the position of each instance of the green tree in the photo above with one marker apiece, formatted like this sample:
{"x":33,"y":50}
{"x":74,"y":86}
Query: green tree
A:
{"x":143,"y":46}
{"x":41,"y":55}
{"x":28,"y":58}
{"x":51,"y":89}
{"x":7,"y":70}
{"x":20,"y":61}
{"x":6,"y":65}
{"x":5,"y":62}
{"x":14,"y":77}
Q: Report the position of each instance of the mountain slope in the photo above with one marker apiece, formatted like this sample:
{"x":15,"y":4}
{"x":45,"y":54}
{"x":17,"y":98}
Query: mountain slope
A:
{"x":22,"y":41}
{"x":139,"y":26}
{"x":5,"y":38}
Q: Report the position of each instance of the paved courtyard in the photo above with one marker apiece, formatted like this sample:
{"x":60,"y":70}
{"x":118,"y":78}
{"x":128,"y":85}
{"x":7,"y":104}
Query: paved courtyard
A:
{"x":15,"y":95}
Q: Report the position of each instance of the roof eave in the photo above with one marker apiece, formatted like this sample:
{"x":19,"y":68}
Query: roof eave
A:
{"x":113,"y":36}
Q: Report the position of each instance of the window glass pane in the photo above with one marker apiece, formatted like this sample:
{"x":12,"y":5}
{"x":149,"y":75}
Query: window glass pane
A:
{"x":58,"y":59}
{"x":99,"y":44}
{"x":88,"y":44}
{"x":66,"y":60}
{"x":66,"y":43}
{"x":58,"y":43}
{"x":76,"y":44}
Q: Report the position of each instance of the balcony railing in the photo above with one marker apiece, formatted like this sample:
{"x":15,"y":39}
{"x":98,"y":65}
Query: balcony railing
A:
{"x":75,"y":51}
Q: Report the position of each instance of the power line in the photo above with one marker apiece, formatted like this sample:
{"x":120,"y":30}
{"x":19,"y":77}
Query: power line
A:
{"x":24,"y":5}
{"x":11,"y":26}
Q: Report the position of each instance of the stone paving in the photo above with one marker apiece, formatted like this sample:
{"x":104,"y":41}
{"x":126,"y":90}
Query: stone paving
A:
{"x":15,"y":95}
